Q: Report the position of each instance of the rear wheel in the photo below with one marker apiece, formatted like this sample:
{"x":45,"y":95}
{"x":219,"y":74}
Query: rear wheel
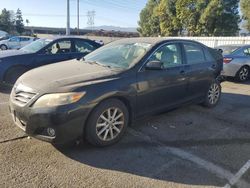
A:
{"x":107,"y":123}
{"x":213,"y":95}
{"x":13,"y":74}
{"x":3,"y":47}
{"x":243,"y":74}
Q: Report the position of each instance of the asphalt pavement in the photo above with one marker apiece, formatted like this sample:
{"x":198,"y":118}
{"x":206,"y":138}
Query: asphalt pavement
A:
{"x":191,"y":146}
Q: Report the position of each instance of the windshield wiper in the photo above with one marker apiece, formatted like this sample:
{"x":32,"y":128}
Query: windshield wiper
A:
{"x":97,"y":63}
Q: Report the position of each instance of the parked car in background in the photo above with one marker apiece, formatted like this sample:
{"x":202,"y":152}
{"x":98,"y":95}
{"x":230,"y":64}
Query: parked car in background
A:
{"x":236,"y":61}
{"x":15,"y":42}
{"x":6,"y":37}
{"x":13,"y":63}
{"x":98,"y":96}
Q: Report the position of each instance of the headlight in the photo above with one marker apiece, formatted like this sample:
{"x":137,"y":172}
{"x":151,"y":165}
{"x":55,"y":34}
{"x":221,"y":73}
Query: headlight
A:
{"x":57,"y":99}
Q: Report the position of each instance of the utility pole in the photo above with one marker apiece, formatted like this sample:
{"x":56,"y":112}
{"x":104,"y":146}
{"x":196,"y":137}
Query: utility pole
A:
{"x":78,"y":17}
{"x":68,"y":19}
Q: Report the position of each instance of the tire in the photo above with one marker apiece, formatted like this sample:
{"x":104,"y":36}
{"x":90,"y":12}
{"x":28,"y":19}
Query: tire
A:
{"x":13,"y":74}
{"x":213,"y":95}
{"x":100,"y":128}
{"x":243,"y":74}
{"x":3,"y":47}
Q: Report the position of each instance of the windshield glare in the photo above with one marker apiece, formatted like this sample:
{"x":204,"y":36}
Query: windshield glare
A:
{"x":36,"y":45}
{"x":118,"y":55}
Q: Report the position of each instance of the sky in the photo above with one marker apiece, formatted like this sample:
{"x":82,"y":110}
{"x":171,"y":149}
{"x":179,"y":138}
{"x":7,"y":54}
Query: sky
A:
{"x":52,"y":13}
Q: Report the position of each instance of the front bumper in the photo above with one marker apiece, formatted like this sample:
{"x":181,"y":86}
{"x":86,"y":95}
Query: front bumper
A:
{"x":68,"y":121}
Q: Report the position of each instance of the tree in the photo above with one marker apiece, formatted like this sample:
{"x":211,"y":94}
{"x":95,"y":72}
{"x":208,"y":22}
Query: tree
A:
{"x":19,"y":22}
{"x":245,"y":8}
{"x":195,"y":17}
{"x":27,"y":22}
{"x":169,"y":23}
{"x":5,"y":21}
{"x":149,"y":24}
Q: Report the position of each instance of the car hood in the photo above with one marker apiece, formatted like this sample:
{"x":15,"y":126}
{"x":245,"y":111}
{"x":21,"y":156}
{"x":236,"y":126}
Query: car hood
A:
{"x":11,"y":53}
{"x":65,"y":76}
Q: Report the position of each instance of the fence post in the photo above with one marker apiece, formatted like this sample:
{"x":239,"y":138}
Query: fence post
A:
{"x":215,"y":43}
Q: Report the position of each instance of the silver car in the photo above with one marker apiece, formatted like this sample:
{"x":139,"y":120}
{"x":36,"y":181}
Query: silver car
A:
{"x":236,"y":61}
{"x":15,"y":42}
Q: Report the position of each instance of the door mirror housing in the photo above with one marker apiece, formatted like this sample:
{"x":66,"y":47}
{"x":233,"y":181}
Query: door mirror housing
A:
{"x":154,"y":65}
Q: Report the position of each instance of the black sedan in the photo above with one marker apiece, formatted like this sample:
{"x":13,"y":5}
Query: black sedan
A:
{"x":98,"y":97}
{"x":13,"y":63}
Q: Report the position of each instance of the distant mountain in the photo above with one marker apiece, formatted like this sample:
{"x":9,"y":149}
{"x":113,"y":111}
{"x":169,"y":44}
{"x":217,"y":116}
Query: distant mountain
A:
{"x":114,"y":28}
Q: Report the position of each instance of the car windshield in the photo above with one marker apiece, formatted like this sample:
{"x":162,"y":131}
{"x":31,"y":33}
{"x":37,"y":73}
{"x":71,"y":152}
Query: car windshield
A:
{"x":123,"y":55}
{"x":228,"y":49}
{"x":36,"y":45}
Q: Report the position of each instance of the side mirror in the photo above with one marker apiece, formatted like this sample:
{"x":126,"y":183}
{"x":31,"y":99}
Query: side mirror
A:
{"x":154,"y":65}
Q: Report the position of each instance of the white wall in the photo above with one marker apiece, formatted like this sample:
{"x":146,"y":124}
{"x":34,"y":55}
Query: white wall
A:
{"x":218,"y":41}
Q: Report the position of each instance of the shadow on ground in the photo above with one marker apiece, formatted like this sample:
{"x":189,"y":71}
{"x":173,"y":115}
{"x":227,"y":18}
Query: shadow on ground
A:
{"x":143,"y":158}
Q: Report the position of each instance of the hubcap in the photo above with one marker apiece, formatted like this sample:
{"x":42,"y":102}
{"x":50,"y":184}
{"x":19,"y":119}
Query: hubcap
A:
{"x":243,"y":74}
{"x":3,"y":48}
{"x":110,"y":124}
{"x":214,"y":93}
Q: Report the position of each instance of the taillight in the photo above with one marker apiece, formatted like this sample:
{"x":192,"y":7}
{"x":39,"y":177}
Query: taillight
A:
{"x":227,"y":60}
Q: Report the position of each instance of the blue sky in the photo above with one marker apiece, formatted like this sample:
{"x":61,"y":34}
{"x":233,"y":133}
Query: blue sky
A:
{"x":52,"y":13}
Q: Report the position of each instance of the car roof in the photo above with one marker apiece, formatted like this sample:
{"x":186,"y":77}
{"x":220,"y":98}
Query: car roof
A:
{"x":153,"y":40}
{"x":64,"y":37}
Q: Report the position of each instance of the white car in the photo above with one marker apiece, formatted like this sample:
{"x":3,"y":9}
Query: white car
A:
{"x":16,"y":42}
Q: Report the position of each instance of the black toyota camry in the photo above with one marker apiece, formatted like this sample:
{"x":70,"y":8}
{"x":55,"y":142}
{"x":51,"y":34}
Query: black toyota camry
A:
{"x":99,"y":96}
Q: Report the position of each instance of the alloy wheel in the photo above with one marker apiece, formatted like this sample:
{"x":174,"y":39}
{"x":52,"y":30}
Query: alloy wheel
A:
{"x":214,"y":93}
{"x":3,"y":47}
{"x":243,"y":74}
{"x":110,"y":124}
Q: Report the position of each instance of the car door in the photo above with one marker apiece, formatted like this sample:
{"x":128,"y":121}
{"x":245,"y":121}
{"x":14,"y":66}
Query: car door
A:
{"x":161,"y":89}
{"x":82,"y":47}
{"x":14,"y":43}
{"x":60,"y":50}
{"x":198,"y":69}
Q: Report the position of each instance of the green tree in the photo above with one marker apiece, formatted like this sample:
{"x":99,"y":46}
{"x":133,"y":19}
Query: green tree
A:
{"x":19,"y":22}
{"x":169,"y":24}
{"x":245,"y":8}
{"x":195,"y":17}
{"x":189,"y":13}
{"x":149,"y":24}
{"x":6,"y":24}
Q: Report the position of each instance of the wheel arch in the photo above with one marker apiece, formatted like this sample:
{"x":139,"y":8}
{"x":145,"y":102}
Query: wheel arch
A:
{"x":11,"y":68}
{"x":121,"y":98}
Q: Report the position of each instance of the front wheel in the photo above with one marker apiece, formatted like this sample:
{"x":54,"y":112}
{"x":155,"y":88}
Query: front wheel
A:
{"x":213,"y":95}
{"x":107,"y":123}
{"x":3,"y":47}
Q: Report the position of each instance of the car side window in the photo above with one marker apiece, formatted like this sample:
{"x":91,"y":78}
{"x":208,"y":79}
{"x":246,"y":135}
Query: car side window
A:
{"x":82,"y":46}
{"x":60,"y":47}
{"x":194,"y":54}
{"x":14,"y":39}
{"x":169,"y":55}
{"x":247,"y":51}
{"x":23,"y":39}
